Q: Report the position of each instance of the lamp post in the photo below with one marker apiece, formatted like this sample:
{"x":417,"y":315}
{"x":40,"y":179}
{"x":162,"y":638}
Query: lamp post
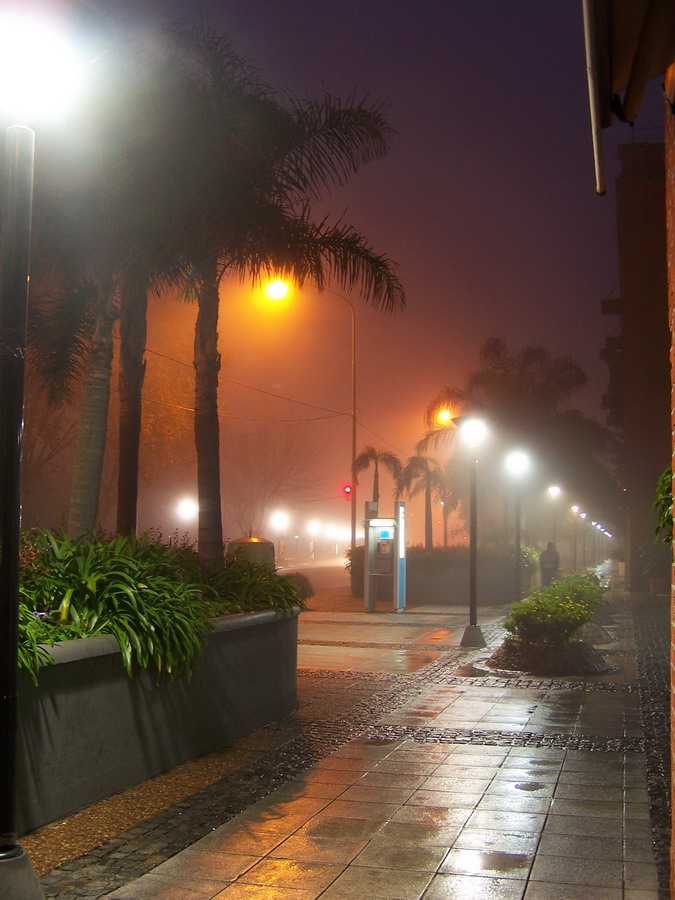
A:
{"x":554,"y":491}
{"x":36,"y":70}
{"x":473,"y":430}
{"x":278,"y":289}
{"x":517,"y":465}
{"x":353,"y":414}
{"x":575,"y":522}
{"x":583,"y":516}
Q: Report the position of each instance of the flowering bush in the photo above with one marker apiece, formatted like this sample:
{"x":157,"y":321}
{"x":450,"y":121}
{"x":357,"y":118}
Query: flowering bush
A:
{"x":552,"y":615}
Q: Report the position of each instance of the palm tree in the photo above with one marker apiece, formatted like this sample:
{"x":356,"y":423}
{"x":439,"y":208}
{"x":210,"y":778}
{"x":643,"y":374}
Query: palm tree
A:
{"x":92,"y":241}
{"x":222,"y":184}
{"x":421,"y":473}
{"x":378,"y":458}
{"x":526,"y":396}
{"x":437,"y":481}
{"x":284,"y":155}
{"x":444,"y":490}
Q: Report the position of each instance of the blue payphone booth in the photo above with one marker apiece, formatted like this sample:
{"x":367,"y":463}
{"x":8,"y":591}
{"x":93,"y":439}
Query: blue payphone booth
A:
{"x":384,"y":569}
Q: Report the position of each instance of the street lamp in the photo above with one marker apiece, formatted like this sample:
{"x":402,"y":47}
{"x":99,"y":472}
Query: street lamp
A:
{"x":473,"y":430}
{"x":575,"y":522}
{"x":37,"y":68}
{"x":280,"y":521}
{"x":554,"y":491}
{"x":517,"y":465}
{"x":278,"y":290}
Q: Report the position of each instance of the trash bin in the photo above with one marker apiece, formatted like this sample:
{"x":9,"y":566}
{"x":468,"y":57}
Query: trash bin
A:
{"x":255,"y":549}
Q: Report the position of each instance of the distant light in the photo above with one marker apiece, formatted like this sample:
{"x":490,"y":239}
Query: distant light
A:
{"x":314,"y":527}
{"x":554,"y":491}
{"x":517,"y":463}
{"x":276,"y":290}
{"x":575,"y":509}
{"x":444,"y":416}
{"x":280,"y":520}
{"x":187,"y":509}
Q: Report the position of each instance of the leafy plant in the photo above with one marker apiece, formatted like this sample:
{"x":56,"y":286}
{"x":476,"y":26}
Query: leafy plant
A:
{"x":243,"y":586}
{"x":155,"y":598}
{"x":554,"y":614}
{"x":302,"y":584}
{"x":656,"y":558}
{"x":663,"y":506}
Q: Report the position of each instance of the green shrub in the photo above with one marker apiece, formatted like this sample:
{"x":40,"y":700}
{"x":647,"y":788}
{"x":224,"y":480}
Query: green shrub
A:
{"x":243,"y":586}
{"x":554,"y":614}
{"x":155,"y":598}
{"x":663,"y":506}
{"x":302,"y":584}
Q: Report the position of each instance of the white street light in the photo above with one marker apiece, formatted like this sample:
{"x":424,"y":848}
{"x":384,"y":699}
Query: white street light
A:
{"x":517,"y":464}
{"x":37,"y":73}
{"x":187,"y":509}
{"x":554,"y":491}
{"x":280,"y":520}
{"x":40,"y":69}
{"x":474,"y":431}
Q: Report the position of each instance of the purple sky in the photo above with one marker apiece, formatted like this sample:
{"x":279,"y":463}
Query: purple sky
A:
{"x":486,"y":200}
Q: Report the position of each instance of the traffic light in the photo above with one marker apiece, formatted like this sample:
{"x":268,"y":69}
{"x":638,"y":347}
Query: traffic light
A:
{"x":347,"y":491}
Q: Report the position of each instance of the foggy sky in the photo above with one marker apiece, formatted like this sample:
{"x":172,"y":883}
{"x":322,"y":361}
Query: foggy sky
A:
{"x":486,"y":201}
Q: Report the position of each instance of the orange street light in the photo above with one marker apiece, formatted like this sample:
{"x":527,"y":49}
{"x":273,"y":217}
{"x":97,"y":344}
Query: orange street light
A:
{"x":278,"y":289}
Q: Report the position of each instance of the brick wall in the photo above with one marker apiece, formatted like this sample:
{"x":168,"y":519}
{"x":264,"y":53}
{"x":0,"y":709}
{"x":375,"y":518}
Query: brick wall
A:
{"x":670,"y":226}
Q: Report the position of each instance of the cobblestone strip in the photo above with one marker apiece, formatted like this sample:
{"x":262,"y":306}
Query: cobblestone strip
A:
{"x":372,"y":645}
{"x":485,"y":737}
{"x":139,"y":850}
{"x":651,"y":621}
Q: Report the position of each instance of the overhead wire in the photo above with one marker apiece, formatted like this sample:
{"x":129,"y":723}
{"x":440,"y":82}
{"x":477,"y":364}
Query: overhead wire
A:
{"x":284,"y":423}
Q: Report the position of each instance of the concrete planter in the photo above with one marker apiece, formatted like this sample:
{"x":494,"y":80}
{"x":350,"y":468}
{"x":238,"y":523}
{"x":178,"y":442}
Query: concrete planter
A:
{"x":88,"y":730}
{"x":494,"y":587}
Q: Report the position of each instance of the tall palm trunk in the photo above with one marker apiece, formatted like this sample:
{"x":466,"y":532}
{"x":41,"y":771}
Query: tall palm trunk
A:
{"x":428,"y":520}
{"x":376,"y":485}
{"x":93,"y":423}
{"x":207,"y":436}
{"x":446,"y":516}
{"x":133,"y":333}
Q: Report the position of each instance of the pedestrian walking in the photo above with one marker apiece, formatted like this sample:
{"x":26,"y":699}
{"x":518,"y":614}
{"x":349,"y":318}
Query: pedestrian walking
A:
{"x":549,"y":563}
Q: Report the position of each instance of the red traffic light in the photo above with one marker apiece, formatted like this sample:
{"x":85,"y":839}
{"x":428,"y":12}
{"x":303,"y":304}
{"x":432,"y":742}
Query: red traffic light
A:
{"x":347,"y":490}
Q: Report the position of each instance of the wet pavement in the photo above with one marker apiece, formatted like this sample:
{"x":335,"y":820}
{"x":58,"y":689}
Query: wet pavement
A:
{"x":412,"y":772}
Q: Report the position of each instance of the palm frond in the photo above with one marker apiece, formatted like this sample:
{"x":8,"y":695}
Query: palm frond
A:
{"x":331,"y":140}
{"x":61,"y":325}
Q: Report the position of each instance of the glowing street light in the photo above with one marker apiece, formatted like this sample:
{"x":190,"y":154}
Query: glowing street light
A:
{"x":517,"y":464}
{"x":280,"y":520}
{"x":474,"y":431}
{"x":278,"y":289}
{"x":554,"y":491}
{"x":37,"y":75}
{"x":187,"y":509}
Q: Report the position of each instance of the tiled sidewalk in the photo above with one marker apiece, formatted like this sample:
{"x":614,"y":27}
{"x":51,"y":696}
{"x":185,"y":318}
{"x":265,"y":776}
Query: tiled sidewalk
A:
{"x":473,"y":787}
{"x":405,"y":820}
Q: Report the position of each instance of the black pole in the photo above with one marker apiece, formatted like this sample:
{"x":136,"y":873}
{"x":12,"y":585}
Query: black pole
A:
{"x":518,"y":560}
{"x":473,"y":636}
{"x":17,"y":877}
{"x":473,"y":541}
